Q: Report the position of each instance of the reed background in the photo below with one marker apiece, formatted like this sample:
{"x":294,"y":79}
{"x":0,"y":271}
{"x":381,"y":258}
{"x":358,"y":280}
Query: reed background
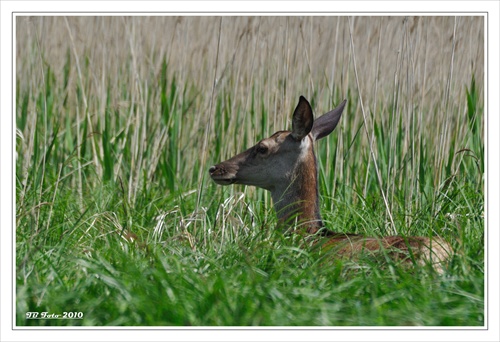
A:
{"x":119,"y":118}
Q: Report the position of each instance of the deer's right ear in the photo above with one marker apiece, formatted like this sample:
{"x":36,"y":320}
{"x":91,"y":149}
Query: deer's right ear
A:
{"x":302,"y":121}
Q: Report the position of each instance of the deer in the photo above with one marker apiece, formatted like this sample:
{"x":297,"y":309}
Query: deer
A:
{"x":285,"y":164}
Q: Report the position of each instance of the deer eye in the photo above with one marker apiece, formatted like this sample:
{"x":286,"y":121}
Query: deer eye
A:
{"x":261,"y":149}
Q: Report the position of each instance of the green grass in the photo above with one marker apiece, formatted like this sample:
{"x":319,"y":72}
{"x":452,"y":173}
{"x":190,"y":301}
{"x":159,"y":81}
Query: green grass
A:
{"x":117,"y":218}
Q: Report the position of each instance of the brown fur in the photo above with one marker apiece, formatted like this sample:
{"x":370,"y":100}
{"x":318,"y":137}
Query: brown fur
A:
{"x":421,"y":250}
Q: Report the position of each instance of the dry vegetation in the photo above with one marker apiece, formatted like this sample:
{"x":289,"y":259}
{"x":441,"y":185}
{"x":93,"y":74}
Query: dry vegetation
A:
{"x":429,"y":60}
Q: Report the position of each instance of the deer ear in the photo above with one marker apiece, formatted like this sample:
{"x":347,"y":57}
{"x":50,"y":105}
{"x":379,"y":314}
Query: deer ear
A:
{"x":326,"y":123}
{"x":302,"y":121}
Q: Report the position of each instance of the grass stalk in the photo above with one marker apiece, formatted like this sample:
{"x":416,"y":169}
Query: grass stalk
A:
{"x":366,"y":125}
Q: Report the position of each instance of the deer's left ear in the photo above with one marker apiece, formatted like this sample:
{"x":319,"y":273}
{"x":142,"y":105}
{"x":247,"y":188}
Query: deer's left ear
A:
{"x":326,"y":123}
{"x":302,"y":121}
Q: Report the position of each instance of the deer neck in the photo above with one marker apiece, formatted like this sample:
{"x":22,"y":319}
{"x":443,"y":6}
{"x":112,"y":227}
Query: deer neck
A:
{"x":296,"y":200}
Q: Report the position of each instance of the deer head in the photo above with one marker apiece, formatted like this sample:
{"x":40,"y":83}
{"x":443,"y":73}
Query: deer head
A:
{"x":285,"y":165}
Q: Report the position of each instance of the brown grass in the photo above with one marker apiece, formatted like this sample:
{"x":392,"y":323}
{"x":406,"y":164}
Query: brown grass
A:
{"x":280,"y":57}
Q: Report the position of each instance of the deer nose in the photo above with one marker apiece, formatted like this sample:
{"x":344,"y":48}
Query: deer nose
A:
{"x":212,"y":169}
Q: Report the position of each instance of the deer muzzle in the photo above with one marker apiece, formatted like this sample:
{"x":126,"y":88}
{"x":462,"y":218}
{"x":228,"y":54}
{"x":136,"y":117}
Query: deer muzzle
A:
{"x":221,"y":175}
